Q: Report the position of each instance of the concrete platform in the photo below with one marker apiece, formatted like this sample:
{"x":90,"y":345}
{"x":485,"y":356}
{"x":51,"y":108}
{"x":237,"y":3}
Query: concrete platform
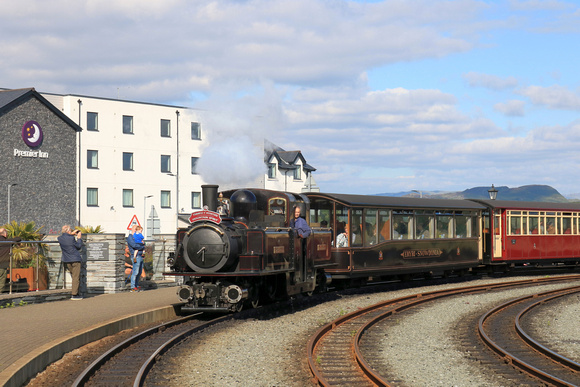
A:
{"x":36,"y":334}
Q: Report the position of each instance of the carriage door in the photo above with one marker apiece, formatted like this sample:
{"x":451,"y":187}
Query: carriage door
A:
{"x":497,"y":246}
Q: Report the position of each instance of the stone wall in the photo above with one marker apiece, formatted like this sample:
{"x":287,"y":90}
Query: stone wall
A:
{"x":103,"y":269}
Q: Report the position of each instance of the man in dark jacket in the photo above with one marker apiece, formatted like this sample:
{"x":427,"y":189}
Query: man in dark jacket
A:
{"x":71,"y":244}
{"x":5,"y":256}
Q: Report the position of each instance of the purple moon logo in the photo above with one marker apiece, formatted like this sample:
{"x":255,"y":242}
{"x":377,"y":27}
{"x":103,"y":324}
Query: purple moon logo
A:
{"x":32,"y":134}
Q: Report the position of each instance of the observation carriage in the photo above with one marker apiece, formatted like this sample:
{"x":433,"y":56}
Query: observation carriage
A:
{"x":398,"y":236}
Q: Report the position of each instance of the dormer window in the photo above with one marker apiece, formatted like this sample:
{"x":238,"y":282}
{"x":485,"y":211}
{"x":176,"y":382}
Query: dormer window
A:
{"x":298,"y":173}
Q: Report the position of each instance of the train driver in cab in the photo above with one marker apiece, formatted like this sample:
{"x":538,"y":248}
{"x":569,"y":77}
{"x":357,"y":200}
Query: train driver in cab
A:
{"x":298,"y":223}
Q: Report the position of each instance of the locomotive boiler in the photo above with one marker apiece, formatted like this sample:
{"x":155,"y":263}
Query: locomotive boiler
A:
{"x":240,"y":250}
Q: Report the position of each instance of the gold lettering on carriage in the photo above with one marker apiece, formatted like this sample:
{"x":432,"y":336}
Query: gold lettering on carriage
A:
{"x":426,"y":253}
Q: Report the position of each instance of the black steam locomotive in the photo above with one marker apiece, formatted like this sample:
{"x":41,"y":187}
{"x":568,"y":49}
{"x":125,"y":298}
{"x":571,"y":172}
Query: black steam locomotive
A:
{"x":240,"y":250}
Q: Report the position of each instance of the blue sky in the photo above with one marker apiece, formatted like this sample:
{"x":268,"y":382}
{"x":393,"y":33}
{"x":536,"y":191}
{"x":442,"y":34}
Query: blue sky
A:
{"x":380,"y":96}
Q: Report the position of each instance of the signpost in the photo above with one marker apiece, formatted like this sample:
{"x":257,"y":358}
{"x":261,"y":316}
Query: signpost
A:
{"x":134,"y":221}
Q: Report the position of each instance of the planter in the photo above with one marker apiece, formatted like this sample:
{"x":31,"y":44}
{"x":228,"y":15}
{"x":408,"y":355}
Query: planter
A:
{"x":29,"y":274}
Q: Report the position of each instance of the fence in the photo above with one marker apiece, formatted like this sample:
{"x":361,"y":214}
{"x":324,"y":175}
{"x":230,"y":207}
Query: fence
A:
{"x":103,"y":263}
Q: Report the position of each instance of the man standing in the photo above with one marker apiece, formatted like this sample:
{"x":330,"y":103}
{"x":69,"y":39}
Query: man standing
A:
{"x":5,"y":256}
{"x":71,"y":244}
{"x":138,"y":260}
{"x":298,"y":223}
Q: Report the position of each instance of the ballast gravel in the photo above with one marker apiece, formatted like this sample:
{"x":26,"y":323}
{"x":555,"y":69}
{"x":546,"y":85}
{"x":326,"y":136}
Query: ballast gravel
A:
{"x":272,"y":351}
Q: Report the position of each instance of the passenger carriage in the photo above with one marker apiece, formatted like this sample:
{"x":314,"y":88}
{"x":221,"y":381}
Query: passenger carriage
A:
{"x":516,"y":232}
{"x":398,"y":236}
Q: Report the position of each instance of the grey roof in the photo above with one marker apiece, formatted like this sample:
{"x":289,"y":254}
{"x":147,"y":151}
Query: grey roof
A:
{"x":286,"y":159}
{"x":12,"y":98}
{"x":400,"y":202}
{"x":7,"y":97}
{"x":519,"y":205}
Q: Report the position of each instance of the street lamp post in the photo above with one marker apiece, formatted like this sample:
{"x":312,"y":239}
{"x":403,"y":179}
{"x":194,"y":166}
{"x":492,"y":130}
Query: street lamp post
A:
{"x":176,"y":198}
{"x":492,"y":192}
{"x":9,"y":187}
{"x":145,"y":211}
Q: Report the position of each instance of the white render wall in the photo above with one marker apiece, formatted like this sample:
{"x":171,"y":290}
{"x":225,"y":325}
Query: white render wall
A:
{"x":147,"y":146}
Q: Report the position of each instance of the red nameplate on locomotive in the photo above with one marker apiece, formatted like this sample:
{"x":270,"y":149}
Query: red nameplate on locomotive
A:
{"x":205,"y":215}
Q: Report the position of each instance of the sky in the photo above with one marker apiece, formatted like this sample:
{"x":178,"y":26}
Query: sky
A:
{"x":380,"y":96}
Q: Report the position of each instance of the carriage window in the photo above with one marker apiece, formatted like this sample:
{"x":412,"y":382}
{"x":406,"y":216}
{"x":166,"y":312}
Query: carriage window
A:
{"x":534,"y":223}
{"x":444,"y":225}
{"x":321,"y":214}
{"x":356,"y":227}
{"x":341,"y":222}
{"x":551,"y":224}
{"x":370,"y":227}
{"x":463,"y":224}
{"x":384,"y":225}
{"x":402,"y":224}
{"x":567,"y":223}
{"x":277,"y":206}
{"x":515,"y":222}
{"x":425,"y":225}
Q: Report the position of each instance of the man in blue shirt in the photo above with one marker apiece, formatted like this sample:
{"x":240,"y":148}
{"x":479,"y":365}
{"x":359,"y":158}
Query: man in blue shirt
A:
{"x":298,"y":223}
{"x":71,"y":244}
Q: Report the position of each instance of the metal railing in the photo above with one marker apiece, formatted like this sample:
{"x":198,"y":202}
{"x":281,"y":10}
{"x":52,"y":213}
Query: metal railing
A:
{"x":37,"y":266}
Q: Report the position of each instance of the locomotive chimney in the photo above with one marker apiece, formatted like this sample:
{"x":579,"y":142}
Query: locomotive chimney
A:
{"x":209,"y":193}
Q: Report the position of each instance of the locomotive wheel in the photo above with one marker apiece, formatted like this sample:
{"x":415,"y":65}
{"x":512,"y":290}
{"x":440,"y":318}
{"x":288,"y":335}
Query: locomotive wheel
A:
{"x":270,"y":288}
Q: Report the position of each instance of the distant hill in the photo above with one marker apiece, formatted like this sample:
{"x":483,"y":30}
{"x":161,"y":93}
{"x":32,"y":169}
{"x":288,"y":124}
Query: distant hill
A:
{"x":531,"y":193}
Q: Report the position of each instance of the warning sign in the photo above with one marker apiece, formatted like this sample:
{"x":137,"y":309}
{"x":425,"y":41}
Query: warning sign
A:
{"x":134,"y":221}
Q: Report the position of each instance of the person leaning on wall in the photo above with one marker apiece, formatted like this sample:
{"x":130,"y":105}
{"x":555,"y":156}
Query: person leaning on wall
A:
{"x":71,"y":244}
{"x":5,"y":256}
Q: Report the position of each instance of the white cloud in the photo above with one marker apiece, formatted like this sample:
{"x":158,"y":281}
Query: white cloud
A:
{"x":513,"y":108}
{"x":475,"y":79}
{"x":553,"y":97}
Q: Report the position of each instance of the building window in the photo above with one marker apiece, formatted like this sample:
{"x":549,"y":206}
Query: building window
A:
{"x":127,"y":161}
{"x":165,"y":163}
{"x":165,"y":128}
{"x":92,"y":159}
{"x":128,"y":124}
{"x":92,"y":197}
{"x":165,"y":199}
{"x":297,"y":173}
{"x":92,"y":121}
{"x":194,"y":161}
{"x":271,"y":170}
{"x":127,"y":198}
{"x":196,"y":200}
{"x":195,"y":131}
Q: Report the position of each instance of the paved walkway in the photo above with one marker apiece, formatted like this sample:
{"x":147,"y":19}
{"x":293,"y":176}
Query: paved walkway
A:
{"x":36,"y":335}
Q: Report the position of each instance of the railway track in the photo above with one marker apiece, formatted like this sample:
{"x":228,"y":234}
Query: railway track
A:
{"x":502,"y":331}
{"x":128,"y":363}
{"x":334,"y":353}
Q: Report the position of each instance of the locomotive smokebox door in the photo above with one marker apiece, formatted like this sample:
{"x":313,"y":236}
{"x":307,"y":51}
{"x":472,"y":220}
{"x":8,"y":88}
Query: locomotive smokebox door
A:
{"x":209,"y":249}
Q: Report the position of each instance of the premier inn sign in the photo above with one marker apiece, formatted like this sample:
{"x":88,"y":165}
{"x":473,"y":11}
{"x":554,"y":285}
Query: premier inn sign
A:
{"x":32,"y":136}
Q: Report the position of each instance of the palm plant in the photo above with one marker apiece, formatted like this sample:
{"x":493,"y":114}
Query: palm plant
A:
{"x":26,"y":255}
{"x":90,"y":229}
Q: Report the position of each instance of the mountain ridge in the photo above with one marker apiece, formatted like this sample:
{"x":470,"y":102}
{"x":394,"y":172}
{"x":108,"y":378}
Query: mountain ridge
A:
{"x":532,"y":193}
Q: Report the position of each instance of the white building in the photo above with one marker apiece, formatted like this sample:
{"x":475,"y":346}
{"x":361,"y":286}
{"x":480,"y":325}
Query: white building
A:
{"x":137,"y":163}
